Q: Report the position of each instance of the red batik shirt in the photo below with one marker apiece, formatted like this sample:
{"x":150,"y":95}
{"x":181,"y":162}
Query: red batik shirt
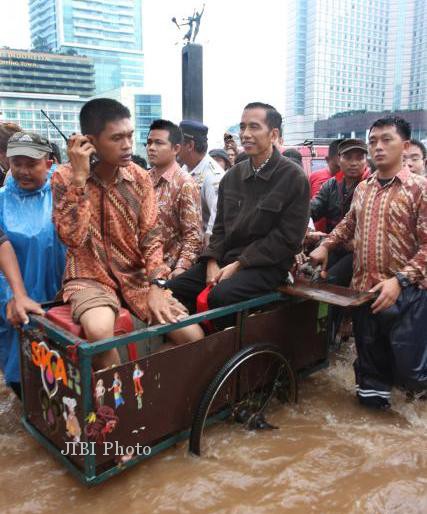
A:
{"x":389,"y":227}
{"x":180,"y":216}
{"x":111,"y":233}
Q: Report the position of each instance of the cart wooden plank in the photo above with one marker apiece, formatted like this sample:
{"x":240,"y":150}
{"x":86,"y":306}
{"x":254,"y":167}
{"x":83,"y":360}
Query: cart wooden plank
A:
{"x":327,"y":293}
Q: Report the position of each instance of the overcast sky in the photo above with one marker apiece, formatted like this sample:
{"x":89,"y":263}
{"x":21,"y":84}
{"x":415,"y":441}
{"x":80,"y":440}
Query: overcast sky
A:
{"x":244,"y":53}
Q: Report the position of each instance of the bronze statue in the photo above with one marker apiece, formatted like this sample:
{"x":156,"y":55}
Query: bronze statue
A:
{"x":192,"y":22}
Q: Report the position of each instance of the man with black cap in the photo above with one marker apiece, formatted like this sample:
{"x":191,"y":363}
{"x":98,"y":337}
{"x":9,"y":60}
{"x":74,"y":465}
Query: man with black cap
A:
{"x":262,"y":216}
{"x":204,"y":170}
{"x":334,"y":198}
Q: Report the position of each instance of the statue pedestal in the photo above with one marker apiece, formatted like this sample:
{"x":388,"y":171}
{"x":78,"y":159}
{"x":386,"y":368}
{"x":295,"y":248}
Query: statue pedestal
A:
{"x":192,"y":82}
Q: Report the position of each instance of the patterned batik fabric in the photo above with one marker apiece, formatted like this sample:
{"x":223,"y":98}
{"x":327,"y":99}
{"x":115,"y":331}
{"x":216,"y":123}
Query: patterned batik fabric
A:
{"x":180,"y":216}
{"x":111,"y":232}
{"x":389,"y":226}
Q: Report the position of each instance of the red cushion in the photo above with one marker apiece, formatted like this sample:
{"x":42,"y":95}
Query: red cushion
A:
{"x":61,"y":316}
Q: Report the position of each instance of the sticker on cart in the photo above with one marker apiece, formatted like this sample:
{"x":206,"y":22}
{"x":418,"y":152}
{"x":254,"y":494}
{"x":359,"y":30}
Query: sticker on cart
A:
{"x":99,"y":392}
{"x":116,"y":387}
{"x":51,"y":366}
{"x":72,"y":424}
{"x":51,"y":410}
{"x":139,"y":390}
{"x":100,"y":424}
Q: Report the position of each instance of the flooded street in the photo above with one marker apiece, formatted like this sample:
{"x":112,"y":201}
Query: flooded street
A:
{"x":329,"y":456}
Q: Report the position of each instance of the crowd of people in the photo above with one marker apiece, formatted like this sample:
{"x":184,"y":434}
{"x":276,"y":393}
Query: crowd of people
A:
{"x":231,"y":224}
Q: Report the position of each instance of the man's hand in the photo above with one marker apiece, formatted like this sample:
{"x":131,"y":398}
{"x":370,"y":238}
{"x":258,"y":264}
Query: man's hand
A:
{"x":300,"y":259}
{"x":79,"y":151}
{"x":162,"y":307}
{"x":212,"y":271}
{"x":389,"y":292}
{"x":18,"y":308}
{"x":313,"y":236}
{"x":320,"y":256}
{"x":176,"y":272}
{"x":227,"y":272}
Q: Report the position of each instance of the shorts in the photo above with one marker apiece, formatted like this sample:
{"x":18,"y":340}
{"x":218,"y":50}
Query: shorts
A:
{"x":91,"y":297}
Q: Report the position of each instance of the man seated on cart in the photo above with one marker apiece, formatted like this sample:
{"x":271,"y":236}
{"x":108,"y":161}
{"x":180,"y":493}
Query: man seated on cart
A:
{"x":105,"y":212}
{"x":262,"y":215}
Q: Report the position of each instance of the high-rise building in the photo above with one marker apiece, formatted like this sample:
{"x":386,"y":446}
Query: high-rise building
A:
{"x":348,"y":55}
{"x":107,"y":31}
{"x":58,"y":84}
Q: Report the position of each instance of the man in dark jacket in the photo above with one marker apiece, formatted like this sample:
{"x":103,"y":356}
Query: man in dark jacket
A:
{"x":334,"y":200}
{"x":262,"y":215}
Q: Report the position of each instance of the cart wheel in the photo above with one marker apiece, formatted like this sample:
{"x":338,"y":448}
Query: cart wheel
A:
{"x":243,"y":389}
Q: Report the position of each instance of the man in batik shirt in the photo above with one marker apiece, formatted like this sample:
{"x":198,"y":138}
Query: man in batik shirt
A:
{"x":388,"y":222}
{"x":106,"y":213}
{"x":178,"y":198}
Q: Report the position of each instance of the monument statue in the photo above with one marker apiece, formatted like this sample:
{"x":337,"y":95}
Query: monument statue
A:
{"x":193,"y":22}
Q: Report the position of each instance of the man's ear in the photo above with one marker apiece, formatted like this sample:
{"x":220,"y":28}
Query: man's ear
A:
{"x":275,"y":134}
{"x":406,"y":145}
{"x":92,"y":139}
{"x":177,"y":148}
{"x":49,"y":163}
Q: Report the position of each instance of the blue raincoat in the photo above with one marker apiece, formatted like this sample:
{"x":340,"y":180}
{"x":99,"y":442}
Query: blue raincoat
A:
{"x":26,"y":219}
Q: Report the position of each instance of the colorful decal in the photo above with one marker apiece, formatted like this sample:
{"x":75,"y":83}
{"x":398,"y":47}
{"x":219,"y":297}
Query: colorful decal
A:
{"x":139,"y":390}
{"x":99,"y":393}
{"x":101,"y":423}
{"x":72,"y":424}
{"x":73,"y":375}
{"x":51,"y":410}
{"x":116,"y":387}
{"x":51,"y":366}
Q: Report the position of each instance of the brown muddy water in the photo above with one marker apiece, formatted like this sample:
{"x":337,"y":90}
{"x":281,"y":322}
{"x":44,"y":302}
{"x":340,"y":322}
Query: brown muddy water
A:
{"x":329,"y":456}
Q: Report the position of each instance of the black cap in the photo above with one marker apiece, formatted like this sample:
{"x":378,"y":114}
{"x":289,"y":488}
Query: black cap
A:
{"x":352,"y":144}
{"x":28,"y":144}
{"x":194,"y":129}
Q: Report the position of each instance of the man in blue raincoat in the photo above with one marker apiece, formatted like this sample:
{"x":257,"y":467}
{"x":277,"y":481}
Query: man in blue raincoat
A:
{"x":26,"y":219}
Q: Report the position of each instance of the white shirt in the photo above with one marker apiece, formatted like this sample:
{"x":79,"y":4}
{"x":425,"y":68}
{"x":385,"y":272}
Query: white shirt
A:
{"x":207,"y":174}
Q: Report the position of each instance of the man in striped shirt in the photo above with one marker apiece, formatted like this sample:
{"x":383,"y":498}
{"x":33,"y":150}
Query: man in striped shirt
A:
{"x":388,"y":222}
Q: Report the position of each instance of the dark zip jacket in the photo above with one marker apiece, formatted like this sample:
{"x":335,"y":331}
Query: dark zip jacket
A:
{"x":261,"y":220}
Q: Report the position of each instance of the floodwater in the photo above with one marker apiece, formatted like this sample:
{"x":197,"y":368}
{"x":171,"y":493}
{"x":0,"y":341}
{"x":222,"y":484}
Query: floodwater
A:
{"x":329,"y":456}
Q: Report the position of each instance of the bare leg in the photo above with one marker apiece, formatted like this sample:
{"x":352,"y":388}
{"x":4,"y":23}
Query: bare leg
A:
{"x":98,"y":323}
{"x":186,"y":334}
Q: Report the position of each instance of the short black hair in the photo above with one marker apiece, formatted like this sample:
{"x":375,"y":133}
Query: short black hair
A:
{"x":272,"y":117}
{"x":333,"y":147}
{"x":403,"y":128}
{"x":137,"y":159}
{"x":420,"y":146}
{"x":55,"y":153}
{"x":175,"y":134}
{"x":294,"y":155}
{"x":96,"y":113}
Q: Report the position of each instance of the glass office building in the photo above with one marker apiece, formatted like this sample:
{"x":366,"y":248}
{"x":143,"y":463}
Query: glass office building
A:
{"x":346,"y":55}
{"x":58,"y":84}
{"x":107,"y":31}
{"x":25,"y":110}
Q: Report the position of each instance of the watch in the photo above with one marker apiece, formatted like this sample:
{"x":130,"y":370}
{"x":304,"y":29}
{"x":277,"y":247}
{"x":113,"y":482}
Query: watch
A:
{"x":158,"y":282}
{"x":402,"y":279}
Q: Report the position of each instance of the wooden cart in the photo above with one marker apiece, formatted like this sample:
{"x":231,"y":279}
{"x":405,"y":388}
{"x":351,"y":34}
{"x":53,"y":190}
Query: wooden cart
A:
{"x":101,"y":423}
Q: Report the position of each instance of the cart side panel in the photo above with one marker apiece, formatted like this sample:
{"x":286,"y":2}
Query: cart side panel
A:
{"x":157,"y":395}
{"x":294,"y":327}
{"x":52,"y":392}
